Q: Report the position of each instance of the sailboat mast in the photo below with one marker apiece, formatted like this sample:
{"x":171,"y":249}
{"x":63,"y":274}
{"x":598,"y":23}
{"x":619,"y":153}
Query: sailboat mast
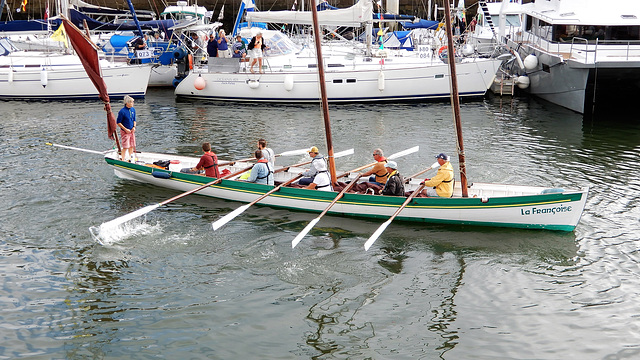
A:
{"x":455,"y":99}
{"x":323,"y":94}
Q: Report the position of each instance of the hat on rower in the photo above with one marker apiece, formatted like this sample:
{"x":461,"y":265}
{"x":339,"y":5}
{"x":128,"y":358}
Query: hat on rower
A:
{"x":314,"y":150}
{"x":392,"y":165}
{"x":442,"y":156}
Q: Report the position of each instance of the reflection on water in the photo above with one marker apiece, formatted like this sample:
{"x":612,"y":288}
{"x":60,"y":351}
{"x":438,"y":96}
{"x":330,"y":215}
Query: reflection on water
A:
{"x":424,"y":291}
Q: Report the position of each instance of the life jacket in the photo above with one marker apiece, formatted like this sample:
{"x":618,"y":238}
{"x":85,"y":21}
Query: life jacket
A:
{"x":269,"y":170}
{"x":214,"y":157}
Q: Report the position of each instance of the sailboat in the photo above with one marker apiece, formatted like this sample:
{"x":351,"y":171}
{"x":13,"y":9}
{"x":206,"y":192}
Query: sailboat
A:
{"x":479,"y":204}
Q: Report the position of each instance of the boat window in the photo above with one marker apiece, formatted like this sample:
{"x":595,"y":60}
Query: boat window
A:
{"x":337,"y":81}
{"x":351,"y":81}
{"x":591,"y":33}
{"x":6,"y":47}
{"x":513,"y":20}
{"x":279,"y":44}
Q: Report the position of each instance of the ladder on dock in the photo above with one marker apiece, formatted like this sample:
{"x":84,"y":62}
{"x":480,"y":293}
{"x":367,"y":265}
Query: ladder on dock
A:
{"x":503,"y":85}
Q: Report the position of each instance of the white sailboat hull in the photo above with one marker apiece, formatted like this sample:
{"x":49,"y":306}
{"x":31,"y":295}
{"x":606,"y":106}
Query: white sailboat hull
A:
{"x":384,"y":83}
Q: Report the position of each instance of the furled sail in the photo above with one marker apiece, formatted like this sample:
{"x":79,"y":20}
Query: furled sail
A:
{"x":355,"y":15}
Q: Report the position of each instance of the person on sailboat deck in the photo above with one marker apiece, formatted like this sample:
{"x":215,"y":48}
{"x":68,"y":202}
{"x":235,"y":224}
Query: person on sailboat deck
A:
{"x":262,"y":172}
{"x":212,"y":46}
{"x":395,"y":183}
{"x":126,"y":121}
{"x":317,"y":177}
{"x":223,"y":47}
{"x":256,"y":47}
{"x":441,"y":185}
{"x":267,"y":153}
{"x":239,"y":49}
{"x":208,"y":162}
{"x":378,"y":172}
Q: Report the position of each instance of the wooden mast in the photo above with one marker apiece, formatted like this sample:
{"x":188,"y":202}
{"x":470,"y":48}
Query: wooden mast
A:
{"x":455,"y":99}
{"x":323,"y":93}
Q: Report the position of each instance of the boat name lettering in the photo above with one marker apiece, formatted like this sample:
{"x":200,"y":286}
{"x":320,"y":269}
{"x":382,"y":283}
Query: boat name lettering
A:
{"x":553,"y":210}
{"x":229,"y":81}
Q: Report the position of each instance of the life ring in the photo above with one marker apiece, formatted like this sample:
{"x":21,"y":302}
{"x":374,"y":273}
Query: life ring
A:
{"x":190,"y":57}
{"x":441,"y":50}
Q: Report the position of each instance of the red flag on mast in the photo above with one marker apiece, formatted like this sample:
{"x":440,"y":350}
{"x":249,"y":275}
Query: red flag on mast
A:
{"x":88,"y":53}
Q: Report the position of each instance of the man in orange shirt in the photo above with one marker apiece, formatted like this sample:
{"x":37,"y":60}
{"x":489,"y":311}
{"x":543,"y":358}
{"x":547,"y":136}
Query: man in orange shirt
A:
{"x":378,"y":172}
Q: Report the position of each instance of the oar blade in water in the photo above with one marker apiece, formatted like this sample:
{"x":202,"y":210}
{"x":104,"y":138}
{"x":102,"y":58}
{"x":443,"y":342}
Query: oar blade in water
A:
{"x":114,"y":230}
{"x":376,"y":235}
{"x":230,"y":216}
{"x":304,"y":232}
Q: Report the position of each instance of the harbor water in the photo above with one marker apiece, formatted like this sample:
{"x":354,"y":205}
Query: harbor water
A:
{"x":170,"y":287}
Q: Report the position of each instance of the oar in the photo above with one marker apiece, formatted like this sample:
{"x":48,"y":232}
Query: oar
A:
{"x":382,"y":227}
{"x":434,"y":166}
{"x":79,"y":149}
{"x":230,"y":216}
{"x":313,"y":222}
{"x":390,"y":157}
{"x":149,"y":208}
{"x":286,"y":153}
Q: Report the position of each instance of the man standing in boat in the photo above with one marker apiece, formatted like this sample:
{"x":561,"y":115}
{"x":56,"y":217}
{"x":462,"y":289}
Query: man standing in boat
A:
{"x":441,"y":185}
{"x":262,"y":172}
{"x":317,"y":177}
{"x":395,"y":184}
{"x":126,"y":121}
{"x":378,"y":172}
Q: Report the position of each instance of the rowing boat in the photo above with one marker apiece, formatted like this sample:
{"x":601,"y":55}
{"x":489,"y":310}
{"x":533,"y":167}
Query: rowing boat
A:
{"x":499,"y":205}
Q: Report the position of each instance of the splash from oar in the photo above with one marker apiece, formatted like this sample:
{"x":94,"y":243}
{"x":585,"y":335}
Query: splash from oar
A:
{"x":118,"y":229}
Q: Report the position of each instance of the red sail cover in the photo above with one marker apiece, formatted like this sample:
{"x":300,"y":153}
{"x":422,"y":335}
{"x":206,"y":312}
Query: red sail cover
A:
{"x":88,"y":54}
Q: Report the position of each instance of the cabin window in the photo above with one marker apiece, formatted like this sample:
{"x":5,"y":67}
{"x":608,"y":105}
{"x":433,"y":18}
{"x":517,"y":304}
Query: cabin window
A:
{"x":337,"y":81}
{"x":591,"y":33}
{"x":335,"y":65}
{"x":351,"y":81}
{"x":439,"y":76}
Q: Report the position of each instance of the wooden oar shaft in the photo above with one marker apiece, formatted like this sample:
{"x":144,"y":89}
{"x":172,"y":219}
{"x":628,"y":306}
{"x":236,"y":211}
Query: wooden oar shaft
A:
{"x":406,"y":202}
{"x":340,"y":195}
{"x":384,"y":225}
{"x":290,"y":166}
{"x":205,"y":186}
{"x":419,"y":173}
{"x":274,"y":190}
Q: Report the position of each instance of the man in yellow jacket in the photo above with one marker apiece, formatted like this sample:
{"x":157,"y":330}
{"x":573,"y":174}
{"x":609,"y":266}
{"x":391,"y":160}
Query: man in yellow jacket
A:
{"x":441,"y":185}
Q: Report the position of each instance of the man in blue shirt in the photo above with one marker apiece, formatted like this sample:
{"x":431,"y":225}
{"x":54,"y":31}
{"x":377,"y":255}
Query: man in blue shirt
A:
{"x":262,"y":172}
{"x":126,"y":121}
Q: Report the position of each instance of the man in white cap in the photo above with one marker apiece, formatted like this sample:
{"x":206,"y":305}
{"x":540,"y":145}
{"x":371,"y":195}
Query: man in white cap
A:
{"x":317,"y":177}
{"x":441,"y":185}
{"x":395,"y":184}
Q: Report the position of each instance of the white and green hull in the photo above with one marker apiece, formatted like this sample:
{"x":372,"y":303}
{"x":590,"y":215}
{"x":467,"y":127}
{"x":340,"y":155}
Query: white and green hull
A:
{"x":487,"y":204}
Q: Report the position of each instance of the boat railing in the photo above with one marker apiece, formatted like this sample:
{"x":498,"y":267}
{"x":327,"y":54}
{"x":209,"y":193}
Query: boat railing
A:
{"x":585,"y":50}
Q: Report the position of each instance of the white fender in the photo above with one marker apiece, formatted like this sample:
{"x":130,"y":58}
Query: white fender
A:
{"x":381,"y":81}
{"x":254,"y":84}
{"x":10,"y":75}
{"x":523,"y":81}
{"x":288,"y":82}
{"x":518,"y":58}
{"x":530,"y":62}
{"x":44,"y":77}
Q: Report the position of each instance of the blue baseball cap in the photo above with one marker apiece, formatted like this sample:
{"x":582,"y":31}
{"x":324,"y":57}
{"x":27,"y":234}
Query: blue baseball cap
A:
{"x":442,"y":156}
